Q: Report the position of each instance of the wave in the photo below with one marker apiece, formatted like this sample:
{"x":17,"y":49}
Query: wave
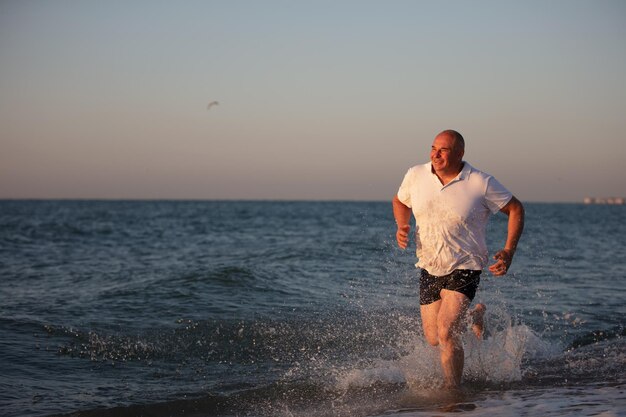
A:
{"x":351,"y":348}
{"x":598,"y":336}
{"x":209,"y":282}
{"x":342,"y":334}
{"x":227,"y":276}
{"x":386,"y":389}
{"x":277,"y":399}
{"x":337,"y":363}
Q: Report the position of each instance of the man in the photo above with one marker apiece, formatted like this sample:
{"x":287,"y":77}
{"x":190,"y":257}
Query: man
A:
{"x":451,"y":202}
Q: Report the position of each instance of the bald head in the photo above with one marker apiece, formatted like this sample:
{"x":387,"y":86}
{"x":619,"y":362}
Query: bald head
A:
{"x":446,"y":154}
{"x":459,"y":142}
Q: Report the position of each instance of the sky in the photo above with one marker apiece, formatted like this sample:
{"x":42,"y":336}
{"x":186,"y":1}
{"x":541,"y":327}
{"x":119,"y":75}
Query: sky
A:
{"x":318,"y":100}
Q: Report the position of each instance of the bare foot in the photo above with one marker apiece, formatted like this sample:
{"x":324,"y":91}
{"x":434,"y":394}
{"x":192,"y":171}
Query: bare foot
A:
{"x":477,"y":315}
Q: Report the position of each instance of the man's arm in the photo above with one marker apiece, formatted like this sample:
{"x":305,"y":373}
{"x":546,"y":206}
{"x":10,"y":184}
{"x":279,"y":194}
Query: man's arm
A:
{"x":515,"y":210}
{"x":402,"y":214}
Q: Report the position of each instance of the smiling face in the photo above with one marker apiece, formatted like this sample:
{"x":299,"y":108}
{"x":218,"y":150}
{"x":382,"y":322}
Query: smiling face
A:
{"x":446,"y":155}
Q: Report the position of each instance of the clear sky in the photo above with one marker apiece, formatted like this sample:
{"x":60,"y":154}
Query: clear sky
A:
{"x":317,"y":99}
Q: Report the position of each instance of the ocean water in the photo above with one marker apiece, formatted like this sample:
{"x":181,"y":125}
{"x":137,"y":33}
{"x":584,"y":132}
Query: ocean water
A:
{"x":206,"y":308}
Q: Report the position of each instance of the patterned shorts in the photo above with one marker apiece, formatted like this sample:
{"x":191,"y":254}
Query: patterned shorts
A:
{"x":464,"y":281}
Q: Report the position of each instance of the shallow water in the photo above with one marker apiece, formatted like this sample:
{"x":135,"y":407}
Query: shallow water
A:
{"x":294,"y":308}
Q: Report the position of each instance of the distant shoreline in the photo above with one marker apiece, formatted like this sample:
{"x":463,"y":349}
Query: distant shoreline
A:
{"x":586,"y":201}
{"x":605,"y":200}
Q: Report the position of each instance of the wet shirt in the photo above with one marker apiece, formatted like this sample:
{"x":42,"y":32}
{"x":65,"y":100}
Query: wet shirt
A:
{"x":451,"y":219}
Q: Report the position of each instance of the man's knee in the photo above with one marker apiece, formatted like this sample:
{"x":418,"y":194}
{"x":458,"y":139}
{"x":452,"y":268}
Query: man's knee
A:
{"x":432,"y":338}
{"x":446,"y":335}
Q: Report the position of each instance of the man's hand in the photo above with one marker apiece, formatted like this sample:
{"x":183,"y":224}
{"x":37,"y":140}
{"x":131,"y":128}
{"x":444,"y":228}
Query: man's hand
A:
{"x":503,"y":259}
{"x":402,"y":215}
{"x":515,"y":210}
{"x":402,"y":236}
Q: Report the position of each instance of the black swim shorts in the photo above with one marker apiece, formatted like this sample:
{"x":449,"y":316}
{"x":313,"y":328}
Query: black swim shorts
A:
{"x":464,"y":281}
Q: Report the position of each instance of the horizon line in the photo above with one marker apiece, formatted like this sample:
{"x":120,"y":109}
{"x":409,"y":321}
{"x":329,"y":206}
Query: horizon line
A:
{"x":285,"y":200}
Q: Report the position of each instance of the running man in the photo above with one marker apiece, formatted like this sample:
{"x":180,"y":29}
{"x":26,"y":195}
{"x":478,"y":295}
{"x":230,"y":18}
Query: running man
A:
{"x":452,"y":202}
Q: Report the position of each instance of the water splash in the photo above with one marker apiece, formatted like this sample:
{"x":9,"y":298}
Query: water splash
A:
{"x":500,"y":358}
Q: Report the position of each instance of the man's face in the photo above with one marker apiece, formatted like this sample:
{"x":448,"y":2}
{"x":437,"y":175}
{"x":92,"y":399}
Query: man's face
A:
{"x":445,"y":156}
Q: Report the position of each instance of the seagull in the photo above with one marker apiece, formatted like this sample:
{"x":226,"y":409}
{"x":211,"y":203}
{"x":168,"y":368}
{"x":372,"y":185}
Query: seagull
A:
{"x":211,"y":104}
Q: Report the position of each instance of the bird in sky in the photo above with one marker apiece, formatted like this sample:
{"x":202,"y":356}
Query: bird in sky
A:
{"x":211,"y":104}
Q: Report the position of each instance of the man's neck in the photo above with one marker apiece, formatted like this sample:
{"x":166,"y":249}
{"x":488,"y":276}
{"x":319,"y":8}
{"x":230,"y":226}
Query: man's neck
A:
{"x":449,"y":174}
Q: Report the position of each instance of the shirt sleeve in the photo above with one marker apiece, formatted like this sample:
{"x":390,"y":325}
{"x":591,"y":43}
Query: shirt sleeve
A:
{"x":404,"y":192}
{"x":496,"y":195}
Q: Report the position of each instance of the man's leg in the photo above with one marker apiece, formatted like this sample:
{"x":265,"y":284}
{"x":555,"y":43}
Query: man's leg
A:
{"x":477,"y":315}
{"x":450,"y":320}
{"x":429,"y":314}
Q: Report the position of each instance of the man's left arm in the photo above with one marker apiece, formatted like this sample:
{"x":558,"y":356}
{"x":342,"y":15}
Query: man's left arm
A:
{"x":515,"y":211}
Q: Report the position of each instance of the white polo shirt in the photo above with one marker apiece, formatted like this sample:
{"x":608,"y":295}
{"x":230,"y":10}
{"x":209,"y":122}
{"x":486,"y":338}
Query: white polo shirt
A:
{"x":451,"y":219}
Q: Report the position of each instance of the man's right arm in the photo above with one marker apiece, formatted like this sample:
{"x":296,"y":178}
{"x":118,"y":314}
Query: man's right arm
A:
{"x":402,"y":214}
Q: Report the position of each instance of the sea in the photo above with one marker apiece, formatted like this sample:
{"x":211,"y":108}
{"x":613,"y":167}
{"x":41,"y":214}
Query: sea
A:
{"x":296,"y":308}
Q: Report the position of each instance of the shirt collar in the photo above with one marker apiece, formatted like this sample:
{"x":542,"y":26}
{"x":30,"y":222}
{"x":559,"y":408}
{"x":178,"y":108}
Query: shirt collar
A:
{"x":465,"y":171}
{"x":463,"y":175}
